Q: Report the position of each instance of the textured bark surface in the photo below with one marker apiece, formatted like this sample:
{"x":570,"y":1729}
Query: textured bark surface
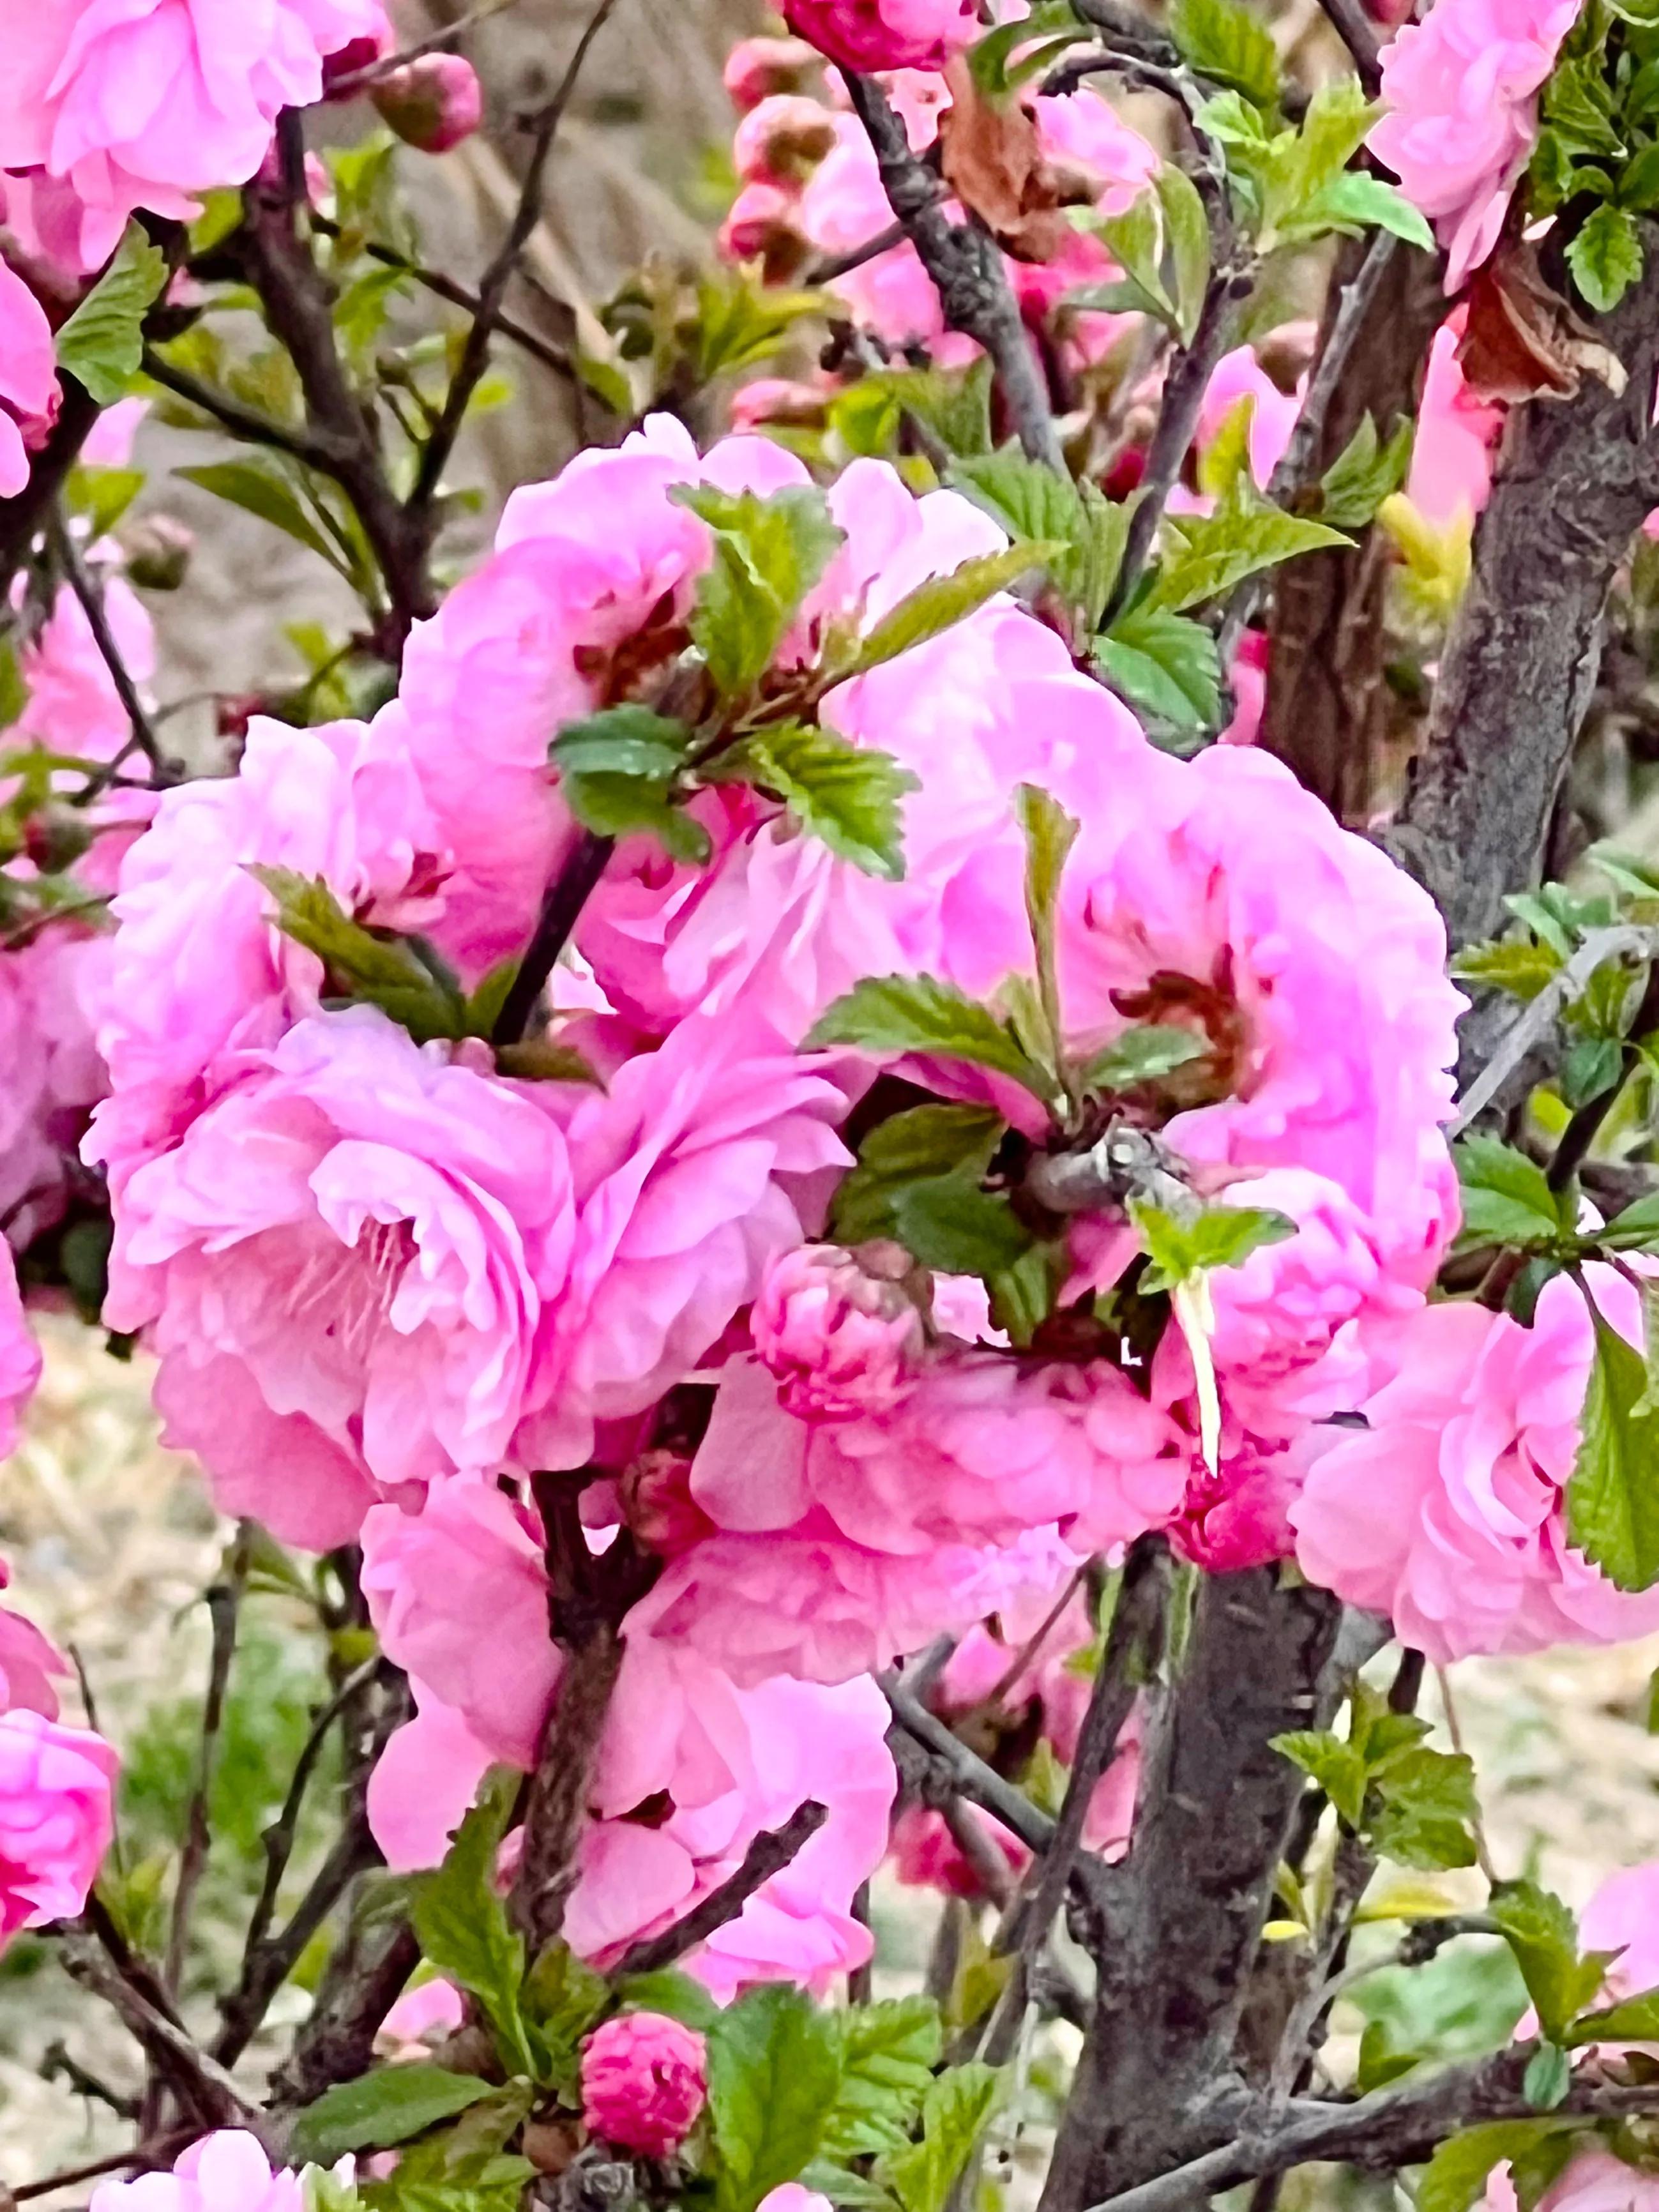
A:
{"x":1186,"y":1909}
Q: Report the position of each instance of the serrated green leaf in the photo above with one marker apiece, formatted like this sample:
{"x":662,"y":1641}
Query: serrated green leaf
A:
{"x":1186,"y":241}
{"x":926,"y":1141}
{"x":617,"y":805}
{"x":1039,"y":508}
{"x":1134,"y":239}
{"x":1230,"y":45}
{"x":382,"y":2108}
{"x":1639,"y":184}
{"x":1606,"y":258}
{"x":624,"y":740}
{"x":1542,"y":1932}
{"x":1577,"y":103}
{"x":678,"y":1996}
{"x":1456,"y":2177}
{"x":1634,"y":2020}
{"x":903,"y":1014}
{"x":461,"y":1921}
{"x":1335,"y":1766}
{"x":950,"y":1224}
{"x":768,"y":554}
{"x":1547,"y":2078}
{"x":1164,"y":665}
{"x":1354,"y":203}
{"x":561,"y":2000}
{"x":774,"y":2076}
{"x":843,"y":794}
{"x":1364,"y":474}
{"x":1506,"y":1197}
{"x":1207,"y":556}
{"x":941,"y":602}
{"x":1210,"y":1237}
{"x":957,"y":2104}
{"x":888,"y":2052}
{"x":1612,"y":1496}
{"x":378,"y":970}
{"x":1420,"y":1810}
{"x":1141,"y":1055}
{"x":1634,"y":1229}
{"x":261,"y":486}
{"x":102,"y":344}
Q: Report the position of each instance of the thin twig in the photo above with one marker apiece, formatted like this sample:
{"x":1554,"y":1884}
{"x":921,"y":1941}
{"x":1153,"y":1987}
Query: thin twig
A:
{"x":772,"y":1850}
{"x":224,"y":1604}
{"x":315,"y":448}
{"x":561,"y":905}
{"x":1532,"y":1025}
{"x":970,"y":1774}
{"x":492,"y":291}
{"x":155,"y":2154}
{"x":836,"y":266}
{"x":438,"y":42}
{"x":278,"y":1839}
{"x":445,"y":288}
{"x":196,"y":2075}
{"x":1454,"y":1729}
{"x":68,"y":556}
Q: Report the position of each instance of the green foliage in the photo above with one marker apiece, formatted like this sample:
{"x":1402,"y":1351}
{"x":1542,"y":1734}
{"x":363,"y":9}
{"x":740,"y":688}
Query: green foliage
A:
{"x":894,"y":1015}
{"x":265,"y":485}
{"x":1613,"y":1498}
{"x":775,"y":2071}
{"x":1635,"y":2019}
{"x":957,"y":2104}
{"x":1207,"y":556}
{"x":1521,"y":966}
{"x":926,"y":1141}
{"x":739,"y":324}
{"x":1364,"y":474}
{"x":672,"y":1993}
{"x":939,"y":603}
{"x":845,"y":795}
{"x":1161,"y":241}
{"x":1141,"y":1055}
{"x":1166,"y":667}
{"x":614,"y":804}
{"x":768,"y":553}
{"x":1229,"y":44}
{"x":1456,"y":2177}
{"x":1041,"y":509}
{"x":101,"y":496}
{"x":102,"y":344}
{"x":627,"y":740}
{"x":1180,"y":1247}
{"x":1506,"y":1197}
{"x":395,"y":974}
{"x":1606,"y":256}
{"x":389,"y":2106}
{"x":1417,"y":1807}
{"x":462,"y":1923}
{"x":561,"y":2000}
{"x":888,"y":2052}
{"x":1542,"y":1932}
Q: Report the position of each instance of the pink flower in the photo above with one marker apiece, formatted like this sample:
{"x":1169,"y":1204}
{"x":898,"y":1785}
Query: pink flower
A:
{"x":885,"y":34}
{"x":790,"y":2197}
{"x":145,"y":103}
{"x":73,"y":705}
{"x":1239,"y":376}
{"x":228,"y":2172}
{"x":837,"y":1328}
{"x":756,"y":67}
{"x":1447,"y":1512}
{"x":1593,"y":2180}
{"x":1456,"y":435}
{"x":422,"y":2016}
{"x":56,"y":1822}
{"x":1462,"y":88}
{"x":27,"y":1659}
{"x":28,"y":379}
{"x":20,"y":1355}
{"x":782,"y":139}
{"x":345,"y":1257}
{"x":53,"y":1075}
{"x":645,"y":2080}
{"x":435,"y":102}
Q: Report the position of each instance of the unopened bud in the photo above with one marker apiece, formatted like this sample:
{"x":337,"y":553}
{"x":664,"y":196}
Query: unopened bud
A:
{"x":158,"y":551}
{"x":756,"y":67}
{"x":658,"y":1505}
{"x":432,"y":102}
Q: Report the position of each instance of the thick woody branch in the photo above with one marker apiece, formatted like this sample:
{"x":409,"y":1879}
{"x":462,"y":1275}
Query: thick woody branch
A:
{"x":561,"y":905}
{"x":966,"y":266}
{"x":362,"y":1982}
{"x":772,"y":1850}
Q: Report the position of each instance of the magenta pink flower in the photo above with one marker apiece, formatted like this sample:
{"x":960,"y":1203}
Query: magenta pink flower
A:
{"x":838,"y":1329}
{"x":1462,"y":88}
{"x":145,"y":103}
{"x":56,"y":1787}
{"x":20,"y":1355}
{"x":435,"y":102}
{"x":28,"y":379}
{"x":1446,"y":1512}
{"x":228,"y":2172}
{"x":885,"y":34}
{"x":645,"y":2080}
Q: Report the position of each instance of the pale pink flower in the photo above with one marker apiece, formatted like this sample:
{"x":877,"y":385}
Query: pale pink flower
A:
{"x":27,"y":1659}
{"x":56,"y":1786}
{"x":1462,"y":88}
{"x":838,"y":1329}
{"x":645,"y":2079}
{"x":228,"y":2172}
{"x":28,"y":379}
{"x":756,"y":67}
{"x":422,"y":2017}
{"x":1593,"y":2180}
{"x":1239,"y":376}
{"x":145,"y":103}
{"x":885,"y":34}
{"x":1456,"y":435}
{"x":1623,"y":1916}
{"x":53,"y":1075}
{"x":110,"y":442}
{"x":780,"y":141}
{"x":791,"y":2197}
{"x":20,"y":1355}
{"x":346,"y":1258}
{"x":73,"y":705}
{"x":1447,"y":1512}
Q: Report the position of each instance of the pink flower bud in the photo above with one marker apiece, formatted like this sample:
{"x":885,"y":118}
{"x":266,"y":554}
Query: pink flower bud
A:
{"x":839,"y":1329}
{"x":644,"y":2082}
{"x":886,"y":34}
{"x":783,"y":140}
{"x":55,"y":1794}
{"x":756,"y":68}
{"x":433,"y":102}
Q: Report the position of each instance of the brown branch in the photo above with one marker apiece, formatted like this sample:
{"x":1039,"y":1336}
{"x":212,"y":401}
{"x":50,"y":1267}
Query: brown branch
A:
{"x":315,"y":448}
{"x":493,"y":289}
{"x":360,"y":1983}
{"x":770,"y":1852}
{"x":26,"y":515}
{"x":966,"y":266}
{"x":156,"y":2155}
{"x":224,"y":1604}
{"x":67,"y":554}
{"x":445,"y":288}
{"x":1348,"y":19}
{"x":561,"y":905}
{"x":194,"y":2074}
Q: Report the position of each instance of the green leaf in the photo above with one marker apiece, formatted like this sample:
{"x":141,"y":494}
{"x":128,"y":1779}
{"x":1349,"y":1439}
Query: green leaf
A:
{"x":1507,"y":1199}
{"x":385,"y":2107}
{"x":1456,"y":2177}
{"x":768,"y":554}
{"x":1365,"y":474}
{"x":377,"y":969}
{"x":561,"y":2000}
{"x":1421,"y":1808}
{"x":1337,"y":1768}
{"x":1142,"y":1054}
{"x":617,"y":805}
{"x":941,"y":602}
{"x":1210,"y":1237}
{"x":957,"y":2104}
{"x":1207,"y":556}
{"x":1639,"y":186}
{"x":774,"y":2076}
{"x":622,"y":741}
{"x":1516,"y":965}
{"x":102,"y":344}
{"x":899,"y":1014}
{"x":1051,"y":833}
{"x":1590,"y":1067}
{"x":1378,"y":2063}
{"x":102,"y":495}
{"x":1577,"y":103}
{"x":1038,"y":508}
{"x":857,"y":2192}
{"x":888,"y":2053}
{"x":1543,"y":1933}
{"x":1164,"y":665}
{"x":924,"y":1142}
{"x":677,"y":1996}
{"x":1634,"y":2020}
{"x":1612,"y":1496}
{"x":1606,"y":258}
{"x":1134,"y":239}
{"x":948,"y":1222}
{"x":1547,"y":2078}
{"x":461,"y":1921}
{"x":261,"y":487}
{"x":1187,"y":242}
{"x":1355,"y":202}
{"x":842,"y":793}
{"x":14,"y":691}
{"x":1229,"y":44}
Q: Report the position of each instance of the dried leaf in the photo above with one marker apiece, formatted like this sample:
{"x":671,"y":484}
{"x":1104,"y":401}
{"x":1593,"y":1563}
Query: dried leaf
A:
{"x":993,"y":161}
{"x":1524,"y":341}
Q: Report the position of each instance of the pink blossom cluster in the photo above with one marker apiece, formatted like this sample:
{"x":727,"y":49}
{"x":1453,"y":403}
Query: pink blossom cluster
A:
{"x":1462,"y":92}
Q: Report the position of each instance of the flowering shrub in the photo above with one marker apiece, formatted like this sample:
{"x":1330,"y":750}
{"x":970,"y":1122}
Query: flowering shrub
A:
{"x":879,"y":1134}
